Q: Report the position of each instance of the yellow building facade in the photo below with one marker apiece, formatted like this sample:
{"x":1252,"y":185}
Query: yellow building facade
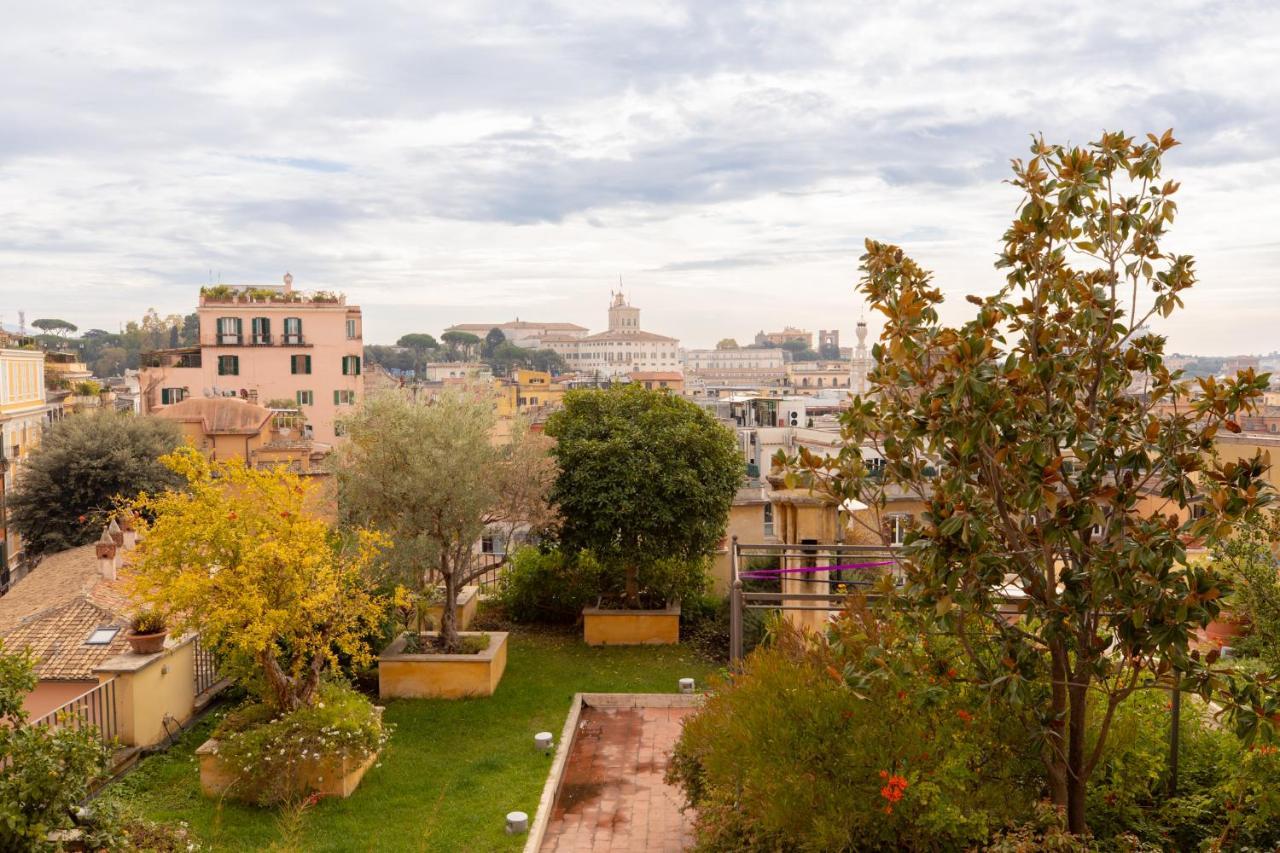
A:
{"x":23,"y":414}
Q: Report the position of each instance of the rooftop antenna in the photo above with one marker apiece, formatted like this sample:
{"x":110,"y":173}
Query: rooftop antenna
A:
{"x":22,"y":323}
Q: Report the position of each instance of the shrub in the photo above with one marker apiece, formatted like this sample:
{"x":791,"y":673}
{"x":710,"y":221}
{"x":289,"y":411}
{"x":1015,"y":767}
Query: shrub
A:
{"x":549,"y":586}
{"x":147,"y":621}
{"x":84,"y":466}
{"x":267,"y":752}
{"x":818,"y":746}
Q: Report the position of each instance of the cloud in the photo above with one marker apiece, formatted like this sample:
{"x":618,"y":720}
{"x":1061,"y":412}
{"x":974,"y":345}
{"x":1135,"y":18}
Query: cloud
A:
{"x":445,"y":162}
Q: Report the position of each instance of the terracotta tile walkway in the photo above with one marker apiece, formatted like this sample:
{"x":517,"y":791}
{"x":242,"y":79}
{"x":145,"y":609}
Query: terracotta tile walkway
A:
{"x":612,"y":797}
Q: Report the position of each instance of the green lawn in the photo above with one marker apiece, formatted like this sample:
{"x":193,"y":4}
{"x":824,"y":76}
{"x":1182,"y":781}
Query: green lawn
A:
{"x":452,"y":771}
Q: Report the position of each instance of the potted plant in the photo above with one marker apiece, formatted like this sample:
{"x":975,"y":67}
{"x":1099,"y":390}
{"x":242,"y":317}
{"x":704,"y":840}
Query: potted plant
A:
{"x":147,"y":632}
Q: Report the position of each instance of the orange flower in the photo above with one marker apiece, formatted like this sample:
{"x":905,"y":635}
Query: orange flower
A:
{"x":951,"y":673}
{"x":964,"y":715}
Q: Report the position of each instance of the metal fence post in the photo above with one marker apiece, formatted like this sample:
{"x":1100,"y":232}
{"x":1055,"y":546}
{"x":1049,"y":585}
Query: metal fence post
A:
{"x":735,"y":625}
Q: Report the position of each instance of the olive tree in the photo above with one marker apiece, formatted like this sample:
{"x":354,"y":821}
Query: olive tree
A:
{"x":432,"y":477}
{"x":1060,"y":460}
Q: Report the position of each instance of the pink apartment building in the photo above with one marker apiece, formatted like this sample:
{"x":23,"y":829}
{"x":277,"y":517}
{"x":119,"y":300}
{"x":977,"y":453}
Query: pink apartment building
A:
{"x":266,"y":344}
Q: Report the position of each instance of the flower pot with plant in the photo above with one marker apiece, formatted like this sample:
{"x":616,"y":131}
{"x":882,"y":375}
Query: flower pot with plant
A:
{"x":147,"y":632}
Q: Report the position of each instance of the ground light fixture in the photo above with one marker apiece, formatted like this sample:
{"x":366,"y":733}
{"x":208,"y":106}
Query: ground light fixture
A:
{"x":517,"y":823}
{"x":543,"y":741}
{"x":686,"y":685}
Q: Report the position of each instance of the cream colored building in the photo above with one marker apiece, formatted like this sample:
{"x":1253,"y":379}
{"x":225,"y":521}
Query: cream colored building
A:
{"x":624,"y":348}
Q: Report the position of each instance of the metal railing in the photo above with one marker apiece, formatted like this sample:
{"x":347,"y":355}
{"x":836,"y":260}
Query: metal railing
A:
{"x":812,"y":564}
{"x":206,"y":668}
{"x":493,"y":564}
{"x":93,"y":709}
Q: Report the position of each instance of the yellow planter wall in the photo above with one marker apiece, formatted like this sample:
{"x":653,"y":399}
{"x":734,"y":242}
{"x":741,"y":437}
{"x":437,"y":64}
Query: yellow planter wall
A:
{"x":464,"y":612}
{"x":406,"y":676}
{"x":630,"y":627}
{"x":327,"y":777}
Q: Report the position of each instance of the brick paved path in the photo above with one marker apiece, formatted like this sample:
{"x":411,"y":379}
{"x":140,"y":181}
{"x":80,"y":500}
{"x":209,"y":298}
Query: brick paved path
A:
{"x":612,"y":797}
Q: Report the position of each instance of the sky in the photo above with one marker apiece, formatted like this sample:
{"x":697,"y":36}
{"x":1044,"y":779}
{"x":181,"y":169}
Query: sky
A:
{"x":443,"y":162}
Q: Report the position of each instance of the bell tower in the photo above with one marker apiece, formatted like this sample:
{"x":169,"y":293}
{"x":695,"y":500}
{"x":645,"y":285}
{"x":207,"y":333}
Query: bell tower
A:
{"x":622,"y":317}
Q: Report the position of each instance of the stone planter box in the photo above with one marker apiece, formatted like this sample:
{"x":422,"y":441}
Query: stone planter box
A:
{"x":603,"y":627}
{"x":436,"y":676}
{"x":1223,"y":630}
{"x":328,"y":777}
{"x":464,"y":610}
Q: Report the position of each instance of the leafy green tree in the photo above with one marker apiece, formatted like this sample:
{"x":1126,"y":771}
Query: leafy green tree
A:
{"x":418,"y":341}
{"x":1044,"y":476}
{"x":430,"y":476}
{"x":461,"y":344}
{"x":492,"y":341}
{"x":799,"y":350}
{"x":45,"y":771}
{"x":645,"y":477}
{"x":727,"y":343}
{"x":84,"y":464}
{"x":111,"y":362}
{"x":54,"y":326}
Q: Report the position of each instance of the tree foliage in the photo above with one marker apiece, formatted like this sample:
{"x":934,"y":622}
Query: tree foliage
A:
{"x":86,"y":463}
{"x":55,"y":326}
{"x":240,"y":556}
{"x":44,"y":771}
{"x":1040,"y":468}
{"x":645,"y":476}
{"x":430,"y":476}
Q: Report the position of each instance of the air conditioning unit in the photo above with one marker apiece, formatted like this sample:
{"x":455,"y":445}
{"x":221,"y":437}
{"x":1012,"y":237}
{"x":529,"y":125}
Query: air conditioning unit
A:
{"x":793,"y":418}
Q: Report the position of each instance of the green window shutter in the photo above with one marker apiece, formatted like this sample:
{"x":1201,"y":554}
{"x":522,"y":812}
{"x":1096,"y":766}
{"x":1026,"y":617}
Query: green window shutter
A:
{"x":308,"y":363}
{"x":335,"y":398}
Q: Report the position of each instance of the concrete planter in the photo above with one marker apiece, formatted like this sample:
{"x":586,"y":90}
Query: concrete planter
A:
{"x":603,"y":627}
{"x":328,"y":777}
{"x":437,"y":676}
{"x":1223,"y":630}
{"x":464,"y":610}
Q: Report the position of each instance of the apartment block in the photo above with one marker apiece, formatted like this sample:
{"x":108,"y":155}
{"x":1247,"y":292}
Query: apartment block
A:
{"x":267,"y":344}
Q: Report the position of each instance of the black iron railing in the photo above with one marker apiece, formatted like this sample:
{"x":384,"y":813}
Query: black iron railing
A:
{"x":206,"y":668}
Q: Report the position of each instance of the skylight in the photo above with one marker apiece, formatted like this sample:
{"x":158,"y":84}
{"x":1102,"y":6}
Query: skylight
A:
{"x":102,"y":636}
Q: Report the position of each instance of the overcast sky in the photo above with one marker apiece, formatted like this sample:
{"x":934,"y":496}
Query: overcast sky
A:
{"x":446,"y":162}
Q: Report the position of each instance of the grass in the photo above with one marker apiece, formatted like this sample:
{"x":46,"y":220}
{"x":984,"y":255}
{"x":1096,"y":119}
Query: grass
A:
{"x":452,"y":771}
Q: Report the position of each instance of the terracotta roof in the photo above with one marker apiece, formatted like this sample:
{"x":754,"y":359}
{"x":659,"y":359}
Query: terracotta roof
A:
{"x":219,"y":415}
{"x":627,"y":336}
{"x":57,"y":606}
{"x":656,"y":375}
{"x":57,"y":639}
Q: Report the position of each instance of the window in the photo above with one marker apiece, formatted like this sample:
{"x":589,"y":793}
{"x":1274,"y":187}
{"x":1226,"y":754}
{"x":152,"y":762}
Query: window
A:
{"x":102,"y":636}
{"x":768,"y":519}
{"x":299,"y":364}
{"x":228,"y":365}
{"x":261,"y":328}
{"x":293,"y":330}
{"x":492,"y":543}
{"x":169,"y":396}
{"x":306,"y":398}
{"x":351,"y":365}
{"x":895,"y":528}
{"x":229,"y":331}
{"x":344,"y":398}
{"x":353,"y":328}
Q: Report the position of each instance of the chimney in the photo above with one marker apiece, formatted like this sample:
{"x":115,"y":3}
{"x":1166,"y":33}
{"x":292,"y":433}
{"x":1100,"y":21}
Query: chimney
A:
{"x":106,"y":551}
{"x":114,"y":531}
{"x":130,"y":528}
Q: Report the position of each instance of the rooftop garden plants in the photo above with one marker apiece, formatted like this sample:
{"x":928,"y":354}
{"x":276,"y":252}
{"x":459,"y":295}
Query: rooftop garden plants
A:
{"x":430,"y":476}
{"x":1055,"y":481}
{"x":278,"y":596}
{"x":645,"y":483}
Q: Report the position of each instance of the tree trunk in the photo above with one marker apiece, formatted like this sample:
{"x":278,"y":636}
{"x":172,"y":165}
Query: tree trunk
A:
{"x":448,"y":610}
{"x":280,"y":683}
{"x":1056,"y":760}
{"x":1077,"y":783}
{"x":633,"y":587}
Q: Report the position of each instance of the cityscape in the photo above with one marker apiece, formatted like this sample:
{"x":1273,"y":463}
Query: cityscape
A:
{"x":513,"y":428}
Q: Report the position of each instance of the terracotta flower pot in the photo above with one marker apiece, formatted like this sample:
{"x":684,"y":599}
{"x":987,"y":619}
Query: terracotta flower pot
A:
{"x":147,"y":644}
{"x":1223,"y":630}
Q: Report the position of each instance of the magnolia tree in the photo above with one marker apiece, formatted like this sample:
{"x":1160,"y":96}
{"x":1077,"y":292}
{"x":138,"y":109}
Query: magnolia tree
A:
{"x":434,"y":478}
{"x":239,"y":556}
{"x":1060,"y":460}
